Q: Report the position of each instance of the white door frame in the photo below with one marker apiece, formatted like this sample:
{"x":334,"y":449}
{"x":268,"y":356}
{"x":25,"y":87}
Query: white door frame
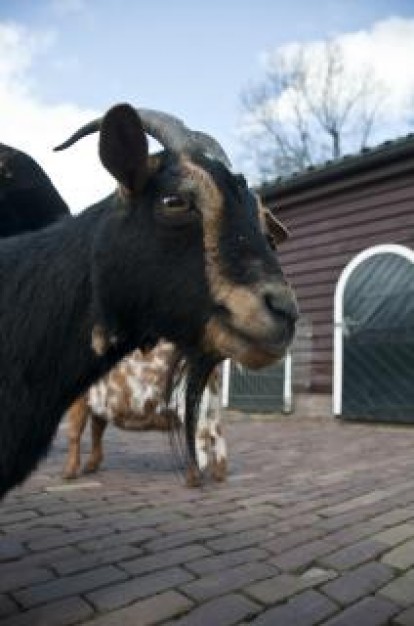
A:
{"x":337,"y":382}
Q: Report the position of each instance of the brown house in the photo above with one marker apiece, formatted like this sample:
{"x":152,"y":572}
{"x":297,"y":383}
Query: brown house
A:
{"x":333,"y":213}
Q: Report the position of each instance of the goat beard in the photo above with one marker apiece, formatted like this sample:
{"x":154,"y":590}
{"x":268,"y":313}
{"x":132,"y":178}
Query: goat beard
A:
{"x":190,"y":372}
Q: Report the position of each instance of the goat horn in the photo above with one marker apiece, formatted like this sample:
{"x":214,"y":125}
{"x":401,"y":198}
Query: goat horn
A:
{"x":170,"y":131}
{"x":88,"y":129}
{"x":210,"y":146}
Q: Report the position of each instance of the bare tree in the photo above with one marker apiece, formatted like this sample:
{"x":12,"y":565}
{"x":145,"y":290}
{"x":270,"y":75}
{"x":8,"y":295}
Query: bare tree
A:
{"x":309,"y":108}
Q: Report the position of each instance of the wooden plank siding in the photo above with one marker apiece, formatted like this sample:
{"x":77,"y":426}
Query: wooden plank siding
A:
{"x":334,"y":213}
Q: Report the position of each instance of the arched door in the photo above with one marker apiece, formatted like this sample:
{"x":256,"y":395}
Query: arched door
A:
{"x":374,"y":336}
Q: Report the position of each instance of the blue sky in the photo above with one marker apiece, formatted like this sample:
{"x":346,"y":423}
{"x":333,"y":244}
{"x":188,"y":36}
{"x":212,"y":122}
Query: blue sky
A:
{"x":188,"y":58}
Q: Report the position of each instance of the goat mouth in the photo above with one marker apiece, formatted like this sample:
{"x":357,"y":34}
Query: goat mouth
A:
{"x":248,"y":349}
{"x":272,"y":348}
{"x":270,"y":342}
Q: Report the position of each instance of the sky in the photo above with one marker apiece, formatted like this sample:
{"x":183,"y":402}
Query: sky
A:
{"x":64,"y":62}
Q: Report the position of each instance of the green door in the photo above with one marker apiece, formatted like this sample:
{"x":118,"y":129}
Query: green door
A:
{"x":378,"y":340}
{"x":260,"y":391}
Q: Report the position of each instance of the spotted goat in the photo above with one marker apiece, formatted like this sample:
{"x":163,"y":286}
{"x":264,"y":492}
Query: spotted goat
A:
{"x":176,"y":252}
{"x":132,"y":397}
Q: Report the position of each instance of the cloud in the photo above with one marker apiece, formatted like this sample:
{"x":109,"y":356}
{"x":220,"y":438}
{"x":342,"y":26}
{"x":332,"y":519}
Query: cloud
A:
{"x":34,"y":126}
{"x":388,"y":48}
{"x":385,"y":50}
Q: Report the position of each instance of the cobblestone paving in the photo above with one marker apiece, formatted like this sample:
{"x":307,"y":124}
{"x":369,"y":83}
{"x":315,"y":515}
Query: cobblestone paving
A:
{"x":314,"y":526}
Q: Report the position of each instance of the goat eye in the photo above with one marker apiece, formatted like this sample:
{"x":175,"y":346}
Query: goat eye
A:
{"x":175,"y":204}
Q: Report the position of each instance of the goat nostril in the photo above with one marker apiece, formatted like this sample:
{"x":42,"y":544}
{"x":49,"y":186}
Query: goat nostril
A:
{"x":281,"y":309}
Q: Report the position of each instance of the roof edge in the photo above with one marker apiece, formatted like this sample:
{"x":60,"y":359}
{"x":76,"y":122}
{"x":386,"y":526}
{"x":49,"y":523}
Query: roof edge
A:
{"x":368,"y":158}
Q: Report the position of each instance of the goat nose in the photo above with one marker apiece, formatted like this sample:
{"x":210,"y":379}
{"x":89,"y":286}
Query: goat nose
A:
{"x":281,"y":304}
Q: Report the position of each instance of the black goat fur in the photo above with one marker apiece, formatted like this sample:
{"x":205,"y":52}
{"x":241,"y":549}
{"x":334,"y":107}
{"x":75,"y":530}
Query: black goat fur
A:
{"x":151,"y":284}
{"x":28,"y":199}
{"x":47,"y":313}
{"x":124,"y":265}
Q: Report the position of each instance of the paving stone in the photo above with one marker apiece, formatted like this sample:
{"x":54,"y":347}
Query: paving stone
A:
{"x":63,"y":613}
{"x":133,"y":537}
{"x":371,"y":611}
{"x":405,"y":498}
{"x":190,"y":523}
{"x":161,"y":560}
{"x":212,"y":508}
{"x":394,"y":536}
{"x":401,"y":557}
{"x":359,"y":582}
{"x":352,"y":534}
{"x":259,"y":509}
{"x":63,"y":521}
{"x":401,"y":589}
{"x":246,"y":523}
{"x":7,"y":606}
{"x":65,"y":538}
{"x":237,"y":541}
{"x":91,"y":560}
{"x":68,"y":586}
{"x":180,"y":539}
{"x":16,"y":577}
{"x":79,"y":522}
{"x":218,"y":562}
{"x":292,"y":540}
{"x":146,"y":612}
{"x":40,"y":559}
{"x":17,"y":516}
{"x":354,"y":555}
{"x":121,"y":594}
{"x":306,"y":609}
{"x":25,"y":535}
{"x":303,"y":555}
{"x":355,"y":503}
{"x":395,"y":516}
{"x":162,"y":532}
{"x":226,"y":611}
{"x":10,"y":549}
{"x":54,"y":507}
{"x":162,"y":520}
{"x":279,"y":588}
{"x":405,"y":618}
{"x":345,"y":519}
{"x":317,"y":575}
{"x":227,"y":581}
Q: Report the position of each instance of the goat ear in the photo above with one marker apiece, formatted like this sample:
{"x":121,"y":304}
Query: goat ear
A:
{"x":123,"y":147}
{"x":276,"y":229}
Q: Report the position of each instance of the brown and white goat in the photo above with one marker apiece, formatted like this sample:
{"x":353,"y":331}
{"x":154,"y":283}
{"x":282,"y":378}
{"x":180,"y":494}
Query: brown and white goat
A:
{"x":132,"y":397}
{"x":176,"y":252}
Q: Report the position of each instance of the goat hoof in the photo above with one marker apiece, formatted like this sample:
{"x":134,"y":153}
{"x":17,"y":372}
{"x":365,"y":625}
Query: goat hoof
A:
{"x":193,"y":476}
{"x":219,"y":470}
{"x":70,"y":474}
{"x":90,"y":468}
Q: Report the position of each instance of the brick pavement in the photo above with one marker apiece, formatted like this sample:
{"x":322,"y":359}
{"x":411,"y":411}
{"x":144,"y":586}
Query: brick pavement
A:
{"x":314,"y":526}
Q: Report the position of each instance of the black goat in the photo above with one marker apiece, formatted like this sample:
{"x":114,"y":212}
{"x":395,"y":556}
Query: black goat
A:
{"x":176,"y":252}
{"x":28,"y":199}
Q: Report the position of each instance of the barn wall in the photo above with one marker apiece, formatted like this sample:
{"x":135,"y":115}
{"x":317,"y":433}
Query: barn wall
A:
{"x":330,"y":222}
